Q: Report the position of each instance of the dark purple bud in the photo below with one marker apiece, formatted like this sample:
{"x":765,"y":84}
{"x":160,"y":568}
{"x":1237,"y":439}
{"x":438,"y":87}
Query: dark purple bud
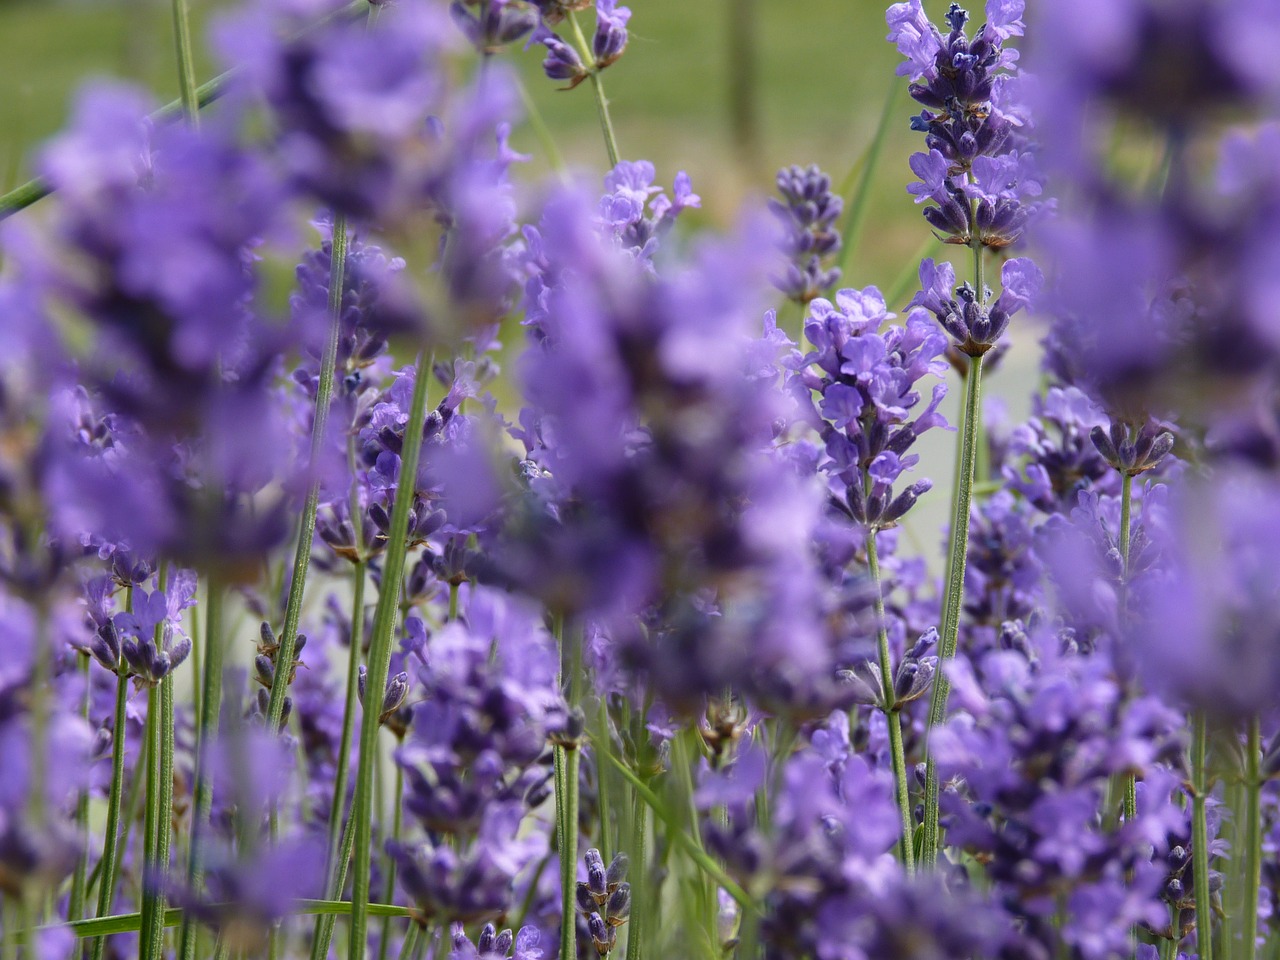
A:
{"x":618,"y":909}
{"x":584,"y":899}
{"x":264,"y":670}
{"x":904,"y":502}
{"x":562,"y":61}
{"x":597,"y":878}
{"x":617,"y":869}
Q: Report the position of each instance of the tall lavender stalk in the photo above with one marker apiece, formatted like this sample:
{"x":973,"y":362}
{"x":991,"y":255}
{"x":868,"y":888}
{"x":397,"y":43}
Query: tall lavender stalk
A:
{"x":976,"y":177}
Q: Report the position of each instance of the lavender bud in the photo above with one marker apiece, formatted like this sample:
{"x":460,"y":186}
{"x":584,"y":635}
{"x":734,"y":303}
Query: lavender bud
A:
{"x":584,"y":900}
{"x":618,"y":908}
{"x":611,"y":32}
{"x":597,"y":881}
{"x":617,"y":870}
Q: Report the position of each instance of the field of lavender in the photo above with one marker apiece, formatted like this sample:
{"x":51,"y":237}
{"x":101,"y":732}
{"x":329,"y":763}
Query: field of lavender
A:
{"x":413,"y":545}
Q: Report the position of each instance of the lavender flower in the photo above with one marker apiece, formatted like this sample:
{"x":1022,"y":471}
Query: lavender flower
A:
{"x":857,"y":389}
{"x":638,"y":213}
{"x":492,"y":945}
{"x":808,"y":212}
{"x":494,"y":23}
{"x":979,"y":171}
{"x":976,"y":323}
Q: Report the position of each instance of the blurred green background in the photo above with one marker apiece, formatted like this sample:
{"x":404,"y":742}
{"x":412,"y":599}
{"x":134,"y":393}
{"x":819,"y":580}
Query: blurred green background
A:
{"x":815,"y":75}
{"x":822,"y":69}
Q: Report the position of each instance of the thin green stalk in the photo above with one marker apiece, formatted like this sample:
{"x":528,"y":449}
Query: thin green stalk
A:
{"x":639,"y":881}
{"x":164,"y":816}
{"x":380,"y":653}
{"x":857,"y":214}
{"x":954,"y":595}
{"x":79,"y":878}
{"x":602,"y":102}
{"x":149,"y":900}
{"x":1200,"y":836}
{"x":602,"y":788}
{"x":206,"y":730}
{"x":893,"y":718}
{"x":397,"y":821}
{"x":1253,"y":838}
{"x":340,"y":839}
{"x":186,"y":62}
{"x":568,"y":756}
{"x":1130,"y":801}
{"x":307,"y":526}
{"x":131,"y":922}
{"x":324,"y":926}
{"x":106,"y":882}
{"x":410,"y":939}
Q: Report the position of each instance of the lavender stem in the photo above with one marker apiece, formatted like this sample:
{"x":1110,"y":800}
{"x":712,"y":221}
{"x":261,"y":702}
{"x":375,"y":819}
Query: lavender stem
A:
{"x":957,"y":556}
{"x":602,"y":102}
{"x":380,"y":652}
{"x":1200,"y":836}
{"x":893,"y":718}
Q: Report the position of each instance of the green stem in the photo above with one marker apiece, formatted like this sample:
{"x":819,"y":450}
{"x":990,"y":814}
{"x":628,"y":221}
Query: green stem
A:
{"x":410,"y":939}
{"x":893,"y":718}
{"x":307,"y":531}
{"x":1253,"y":838}
{"x":602,"y":102}
{"x":131,"y":922}
{"x":1200,"y":836}
{"x":954,"y":595}
{"x":324,"y":926}
{"x":639,"y":880}
{"x":107,"y":880}
{"x":339,"y":838}
{"x":602,"y":787}
{"x":567,"y":760}
{"x":858,"y":206}
{"x":1126,"y":507}
{"x":380,"y":653}
{"x":79,"y":879}
{"x":206,"y":730}
{"x":149,"y":900}
{"x":396,"y":824}
{"x":189,"y":98}
{"x":159,"y":799}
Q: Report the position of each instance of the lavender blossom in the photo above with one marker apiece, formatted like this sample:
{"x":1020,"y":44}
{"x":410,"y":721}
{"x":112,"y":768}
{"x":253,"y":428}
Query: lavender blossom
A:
{"x":808,"y":212}
{"x":494,"y":23}
{"x":976,"y":323}
{"x":979,"y":171}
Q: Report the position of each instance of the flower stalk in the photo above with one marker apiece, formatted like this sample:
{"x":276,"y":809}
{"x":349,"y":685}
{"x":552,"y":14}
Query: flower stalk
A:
{"x":957,"y":554}
{"x":1200,"y":835}
{"x":206,"y":729}
{"x":597,"y":87}
{"x":892,"y":716}
{"x":380,"y":654}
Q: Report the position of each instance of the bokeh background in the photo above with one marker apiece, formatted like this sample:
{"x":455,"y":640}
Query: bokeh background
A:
{"x":728,"y":90}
